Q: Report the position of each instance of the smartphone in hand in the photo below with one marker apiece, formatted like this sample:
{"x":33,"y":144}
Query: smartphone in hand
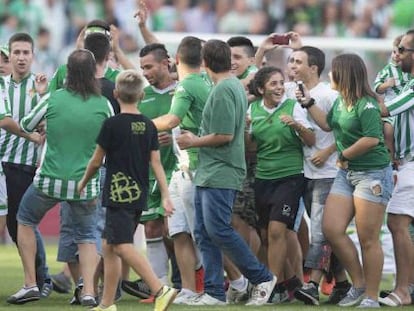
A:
{"x":280,"y":40}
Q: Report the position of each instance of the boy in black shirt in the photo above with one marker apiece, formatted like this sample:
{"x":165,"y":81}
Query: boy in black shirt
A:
{"x":129,"y":142}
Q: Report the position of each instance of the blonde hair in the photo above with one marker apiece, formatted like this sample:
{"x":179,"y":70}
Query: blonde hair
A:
{"x":129,"y":85}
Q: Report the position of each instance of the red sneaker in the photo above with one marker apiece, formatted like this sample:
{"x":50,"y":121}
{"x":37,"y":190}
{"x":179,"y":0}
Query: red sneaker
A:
{"x":326,"y":288}
{"x":199,"y":276}
{"x":150,"y":299}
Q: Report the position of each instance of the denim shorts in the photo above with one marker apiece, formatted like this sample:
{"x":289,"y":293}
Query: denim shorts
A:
{"x":374,"y":185}
{"x":35,"y":204}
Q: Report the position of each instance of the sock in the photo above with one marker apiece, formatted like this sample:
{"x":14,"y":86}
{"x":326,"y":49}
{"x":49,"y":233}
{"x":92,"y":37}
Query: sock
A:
{"x":314,"y":283}
{"x":158,"y":258}
{"x":240,"y":284}
{"x":292,"y":283}
{"x":187,"y":292}
{"x":342,"y":284}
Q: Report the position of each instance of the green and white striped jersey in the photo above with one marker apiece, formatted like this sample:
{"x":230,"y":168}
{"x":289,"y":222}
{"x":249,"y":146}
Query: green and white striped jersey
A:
{"x":4,"y":102}
{"x":402,"y":107}
{"x":72,"y":126}
{"x":21,"y":98}
{"x":392,"y":71}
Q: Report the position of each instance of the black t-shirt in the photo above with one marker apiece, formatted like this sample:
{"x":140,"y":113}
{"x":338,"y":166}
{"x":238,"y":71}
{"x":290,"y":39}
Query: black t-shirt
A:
{"x":128,"y":140}
{"x":107,"y":89}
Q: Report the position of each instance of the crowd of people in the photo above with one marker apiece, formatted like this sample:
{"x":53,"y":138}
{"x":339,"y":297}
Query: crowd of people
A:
{"x":219,"y":154}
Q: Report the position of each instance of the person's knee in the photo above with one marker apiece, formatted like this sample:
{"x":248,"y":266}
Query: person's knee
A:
{"x":393,"y":223}
{"x":154,"y":229}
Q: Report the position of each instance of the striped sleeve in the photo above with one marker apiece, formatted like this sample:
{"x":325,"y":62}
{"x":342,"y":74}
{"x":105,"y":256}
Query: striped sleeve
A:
{"x":401,"y":103}
{"x":30,"y":121}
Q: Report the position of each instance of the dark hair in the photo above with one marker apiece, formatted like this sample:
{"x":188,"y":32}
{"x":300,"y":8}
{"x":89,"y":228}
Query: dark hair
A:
{"x":350,"y":75}
{"x":189,"y":51}
{"x":243,"y":42}
{"x":99,"y":23}
{"x":315,"y":57}
{"x":217,"y":56}
{"x":21,"y":36}
{"x":99,"y":45}
{"x":157,"y":49}
{"x":260,"y":79}
{"x":80,"y":78}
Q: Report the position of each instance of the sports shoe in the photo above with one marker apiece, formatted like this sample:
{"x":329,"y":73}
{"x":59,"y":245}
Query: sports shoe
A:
{"x":199,"y":278}
{"x":25,"y":295}
{"x":279,"y":294}
{"x":136,"y":288}
{"x":47,"y":289}
{"x":99,"y":308}
{"x":369,"y":303}
{"x":185,"y":297}
{"x":88,"y":301}
{"x":353,"y":297}
{"x":61,"y":283}
{"x":76,"y":298}
{"x":150,"y":299}
{"x":206,"y":300}
{"x":261,"y":293}
{"x":308,"y":293}
{"x":338,"y":293}
{"x":164,"y":298}
{"x":236,"y":296}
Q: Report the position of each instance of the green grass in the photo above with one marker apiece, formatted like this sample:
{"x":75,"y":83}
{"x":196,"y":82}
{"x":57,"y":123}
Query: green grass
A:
{"x":11,"y":280}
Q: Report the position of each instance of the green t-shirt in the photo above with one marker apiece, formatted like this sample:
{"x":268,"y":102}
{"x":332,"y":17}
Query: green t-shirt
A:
{"x":224,"y":113}
{"x":187,"y":104}
{"x":249,"y":70}
{"x":361,"y":120}
{"x":59,"y":77}
{"x":70,"y":142}
{"x":279,"y":149}
{"x":157,"y":103}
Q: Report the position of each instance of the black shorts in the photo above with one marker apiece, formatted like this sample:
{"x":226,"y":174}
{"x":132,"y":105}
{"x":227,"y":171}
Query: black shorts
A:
{"x":278,"y":200}
{"x":120,"y":225}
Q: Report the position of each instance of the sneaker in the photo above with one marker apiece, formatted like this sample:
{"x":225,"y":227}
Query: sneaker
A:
{"x":76,"y":298}
{"x":199,"y":277}
{"x":25,"y":295}
{"x":308,"y":293}
{"x":61,"y":283}
{"x":118,"y":293}
{"x":136,"y":288}
{"x":369,"y":303}
{"x":47,"y":289}
{"x":164,"y":298}
{"x":88,"y":301}
{"x":235,"y":296}
{"x":261,"y":293}
{"x":278,"y":297}
{"x":353,"y":297}
{"x":338,"y":293}
{"x":150,"y":299}
{"x":185,"y":297}
{"x":99,"y":308}
{"x":206,"y":300}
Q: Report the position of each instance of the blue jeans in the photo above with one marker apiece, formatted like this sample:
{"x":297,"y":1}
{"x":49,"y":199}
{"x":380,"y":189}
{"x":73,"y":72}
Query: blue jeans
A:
{"x":214,"y":235}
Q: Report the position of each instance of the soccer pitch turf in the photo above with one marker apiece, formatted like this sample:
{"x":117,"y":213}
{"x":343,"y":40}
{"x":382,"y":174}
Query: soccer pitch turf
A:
{"x":11,"y":276}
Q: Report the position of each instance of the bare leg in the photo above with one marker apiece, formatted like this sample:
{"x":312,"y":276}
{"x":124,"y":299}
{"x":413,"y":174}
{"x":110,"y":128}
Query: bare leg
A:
{"x":112,"y":274}
{"x":88,"y":260}
{"x":26,"y":242}
{"x":277,"y":248}
{"x":186,"y":259}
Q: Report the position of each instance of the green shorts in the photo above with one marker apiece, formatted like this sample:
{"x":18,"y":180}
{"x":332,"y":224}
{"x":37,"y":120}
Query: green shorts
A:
{"x":155,"y":209}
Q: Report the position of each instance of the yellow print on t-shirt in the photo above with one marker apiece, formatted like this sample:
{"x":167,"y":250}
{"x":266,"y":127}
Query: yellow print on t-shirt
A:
{"x":138,"y":128}
{"x":124,"y":189}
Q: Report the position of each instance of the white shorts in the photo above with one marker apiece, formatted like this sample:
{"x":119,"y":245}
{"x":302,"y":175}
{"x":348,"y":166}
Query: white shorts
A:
{"x":403,"y":194}
{"x":182,"y":192}
{"x":3,"y":194}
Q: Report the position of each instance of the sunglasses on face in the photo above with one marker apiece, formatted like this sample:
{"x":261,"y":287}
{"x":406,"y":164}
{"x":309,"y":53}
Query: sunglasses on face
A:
{"x":402,"y":49}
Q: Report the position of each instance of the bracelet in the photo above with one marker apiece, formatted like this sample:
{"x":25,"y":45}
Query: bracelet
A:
{"x":342,"y":157}
{"x":310,"y":103}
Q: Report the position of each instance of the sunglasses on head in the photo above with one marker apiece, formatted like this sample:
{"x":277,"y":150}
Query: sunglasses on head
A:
{"x":402,"y":49}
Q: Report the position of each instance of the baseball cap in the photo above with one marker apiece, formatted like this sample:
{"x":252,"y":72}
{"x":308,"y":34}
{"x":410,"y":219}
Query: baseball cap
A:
{"x":4,"y":49}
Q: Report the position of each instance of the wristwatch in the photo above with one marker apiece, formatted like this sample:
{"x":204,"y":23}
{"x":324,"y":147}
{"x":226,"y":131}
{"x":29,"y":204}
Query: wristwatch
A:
{"x":310,"y":103}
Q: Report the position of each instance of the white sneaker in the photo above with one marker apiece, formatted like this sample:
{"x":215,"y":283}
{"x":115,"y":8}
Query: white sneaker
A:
{"x":261,"y":293}
{"x":235,"y":296}
{"x":185,"y":297}
{"x":206,"y":300}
